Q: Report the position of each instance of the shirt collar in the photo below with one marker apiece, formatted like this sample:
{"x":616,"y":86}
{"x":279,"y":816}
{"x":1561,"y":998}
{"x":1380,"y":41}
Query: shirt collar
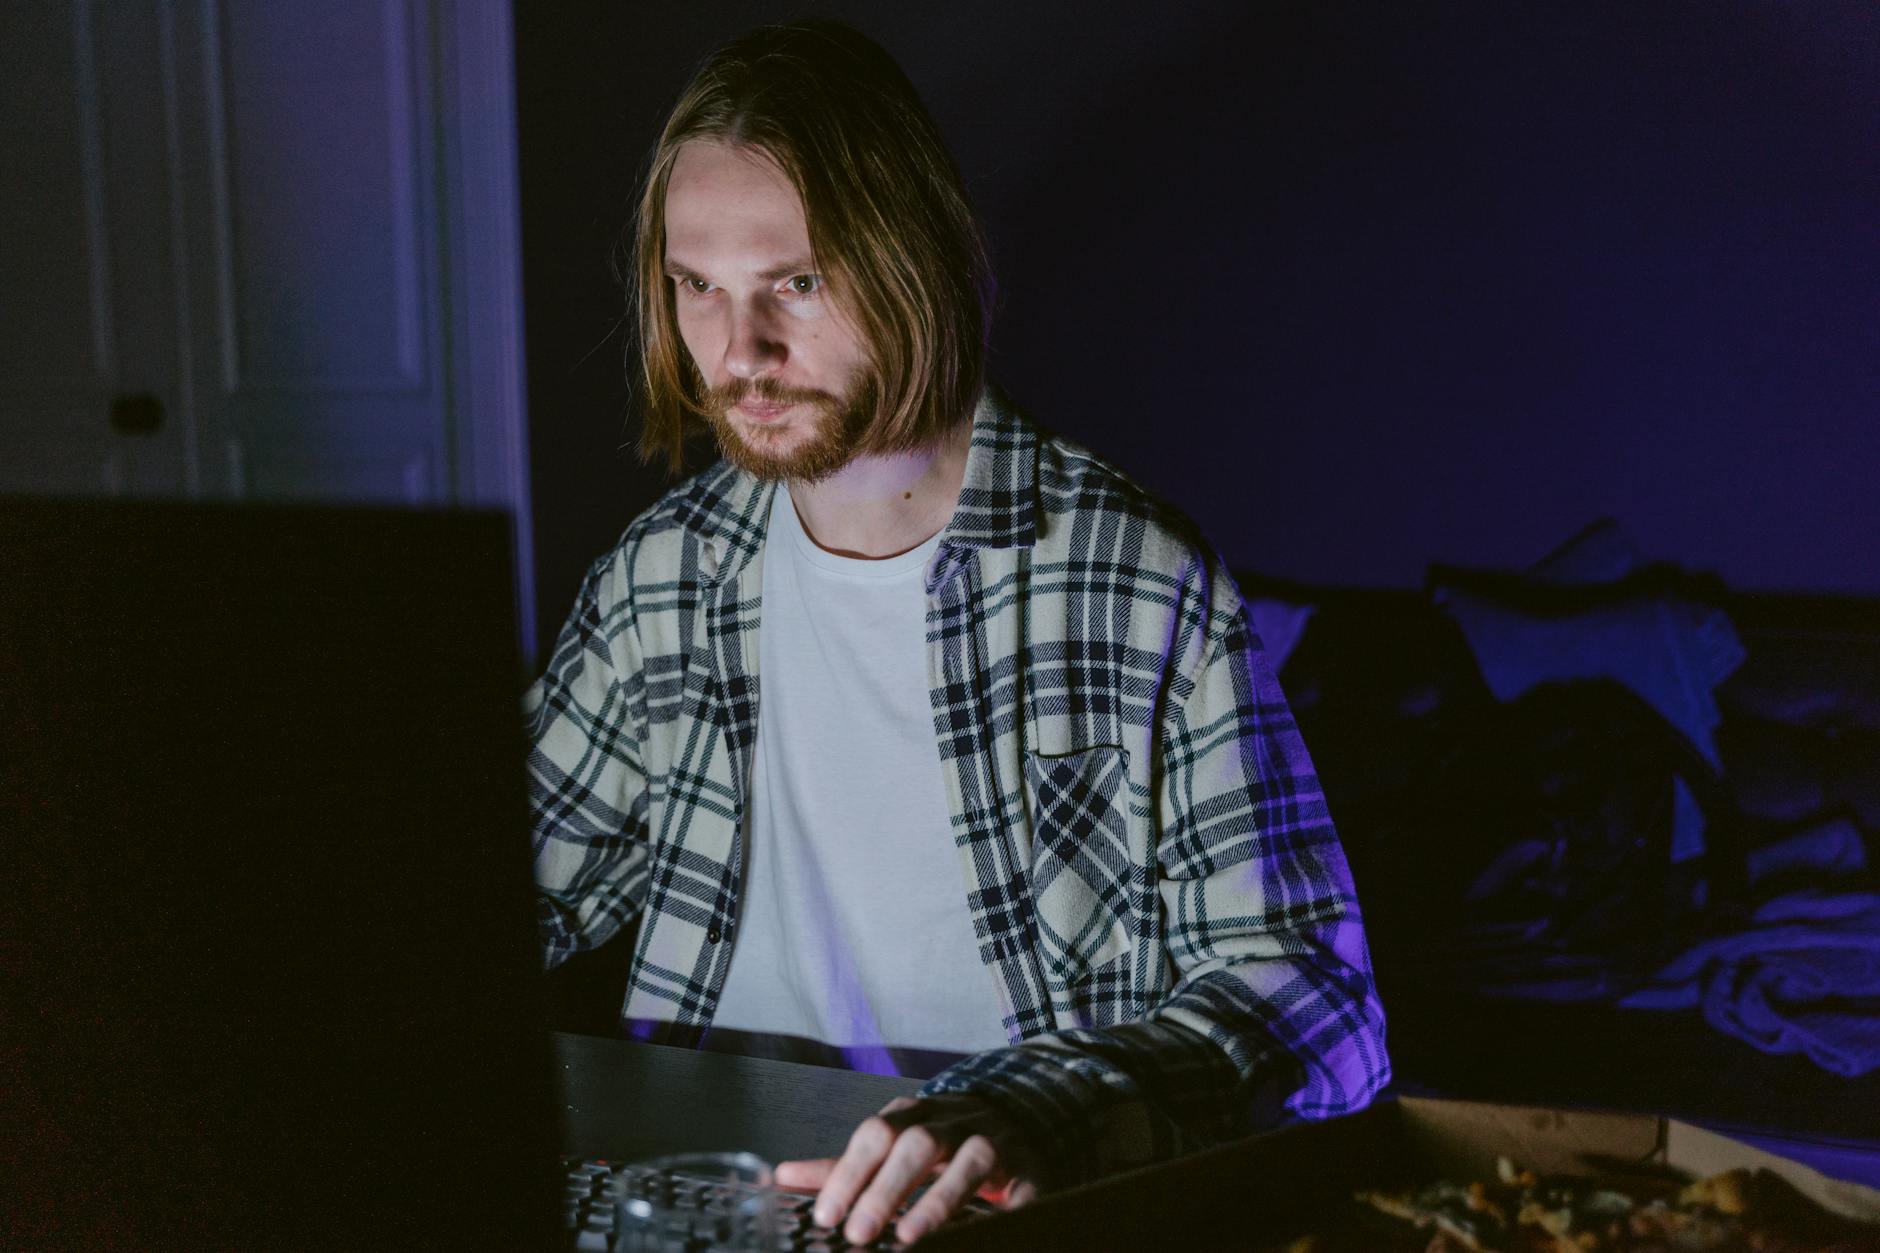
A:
{"x":999,"y":495}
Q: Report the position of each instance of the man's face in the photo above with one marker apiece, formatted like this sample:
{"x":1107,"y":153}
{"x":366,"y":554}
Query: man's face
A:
{"x":788,"y":389}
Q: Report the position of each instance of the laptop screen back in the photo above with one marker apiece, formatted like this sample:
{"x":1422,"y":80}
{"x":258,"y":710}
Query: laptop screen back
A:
{"x":265,"y":918}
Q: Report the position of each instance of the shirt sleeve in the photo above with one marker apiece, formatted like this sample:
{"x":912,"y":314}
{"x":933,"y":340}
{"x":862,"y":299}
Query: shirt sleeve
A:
{"x":1275,"y":1016}
{"x":587,"y":790}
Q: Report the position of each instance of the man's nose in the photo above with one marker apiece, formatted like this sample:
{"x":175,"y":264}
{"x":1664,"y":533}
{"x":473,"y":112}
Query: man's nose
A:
{"x":753,"y":349}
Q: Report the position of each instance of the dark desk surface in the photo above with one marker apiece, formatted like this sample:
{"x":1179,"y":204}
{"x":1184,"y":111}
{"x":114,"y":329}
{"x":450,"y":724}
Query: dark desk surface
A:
{"x":625,"y":1100}
{"x":622,"y":1100}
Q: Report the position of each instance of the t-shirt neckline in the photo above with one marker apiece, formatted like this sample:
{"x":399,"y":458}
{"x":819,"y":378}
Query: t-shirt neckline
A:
{"x":785,"y":523}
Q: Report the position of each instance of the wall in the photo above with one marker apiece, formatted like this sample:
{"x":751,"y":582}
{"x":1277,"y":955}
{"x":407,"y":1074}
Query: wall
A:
{"x":1361,"y":285}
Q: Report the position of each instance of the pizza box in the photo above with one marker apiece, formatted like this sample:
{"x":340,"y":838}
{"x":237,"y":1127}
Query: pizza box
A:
{"x":1258,"y":1192}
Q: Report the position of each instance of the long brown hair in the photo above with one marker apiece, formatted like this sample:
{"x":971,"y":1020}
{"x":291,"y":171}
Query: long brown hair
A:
{"x":889,"y":226}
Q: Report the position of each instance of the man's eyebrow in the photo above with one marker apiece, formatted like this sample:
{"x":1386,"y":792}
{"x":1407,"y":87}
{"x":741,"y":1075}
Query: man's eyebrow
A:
{"x":789,"y":269}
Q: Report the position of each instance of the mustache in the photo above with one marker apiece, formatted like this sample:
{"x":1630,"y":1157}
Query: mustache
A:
{"x":720,"y":399}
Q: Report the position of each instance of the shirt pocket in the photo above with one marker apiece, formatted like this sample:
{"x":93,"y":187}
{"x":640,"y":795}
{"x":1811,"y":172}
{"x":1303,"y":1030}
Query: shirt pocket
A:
{"x":1086,"y":886}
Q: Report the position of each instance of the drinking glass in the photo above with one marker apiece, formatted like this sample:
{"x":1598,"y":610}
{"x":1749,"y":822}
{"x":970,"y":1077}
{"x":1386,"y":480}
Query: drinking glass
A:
{"x":692,"y":1202}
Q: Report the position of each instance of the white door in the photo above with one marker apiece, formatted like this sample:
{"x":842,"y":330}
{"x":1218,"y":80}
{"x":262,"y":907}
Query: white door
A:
{"x":261,"y":249}
{"x":88,"y":283}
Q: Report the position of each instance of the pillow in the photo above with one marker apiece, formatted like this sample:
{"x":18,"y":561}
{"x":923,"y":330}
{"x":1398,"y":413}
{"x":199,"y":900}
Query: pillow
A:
{"x":1672,"y":651}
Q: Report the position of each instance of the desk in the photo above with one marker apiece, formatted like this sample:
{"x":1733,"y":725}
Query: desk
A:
{"x":622,"y":1100}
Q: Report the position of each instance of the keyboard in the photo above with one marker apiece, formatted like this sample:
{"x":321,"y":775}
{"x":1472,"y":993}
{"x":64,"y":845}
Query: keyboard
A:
{"x":594,"y":1183}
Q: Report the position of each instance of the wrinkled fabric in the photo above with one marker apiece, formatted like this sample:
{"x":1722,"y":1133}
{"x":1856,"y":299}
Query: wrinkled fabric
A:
{"x":1803,"y":975}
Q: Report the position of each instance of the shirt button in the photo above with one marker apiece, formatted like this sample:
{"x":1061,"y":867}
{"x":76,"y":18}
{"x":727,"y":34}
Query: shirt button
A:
{"x":713,"y":936}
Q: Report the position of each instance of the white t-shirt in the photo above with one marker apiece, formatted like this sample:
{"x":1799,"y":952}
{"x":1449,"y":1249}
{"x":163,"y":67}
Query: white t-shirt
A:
{"x":854,"y":930}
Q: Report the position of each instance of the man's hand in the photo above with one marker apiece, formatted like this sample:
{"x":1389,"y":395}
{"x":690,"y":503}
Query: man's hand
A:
{"x":962,"y":1139}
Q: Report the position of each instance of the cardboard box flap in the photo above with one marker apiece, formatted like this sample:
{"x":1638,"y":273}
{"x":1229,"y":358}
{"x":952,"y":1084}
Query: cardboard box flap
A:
{"x":1462,"y":1139}
{"x":1704,"y":1153}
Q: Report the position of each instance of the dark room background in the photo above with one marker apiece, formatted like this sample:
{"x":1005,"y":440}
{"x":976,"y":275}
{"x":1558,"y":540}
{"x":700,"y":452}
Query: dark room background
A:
{"x":1363,"y":286}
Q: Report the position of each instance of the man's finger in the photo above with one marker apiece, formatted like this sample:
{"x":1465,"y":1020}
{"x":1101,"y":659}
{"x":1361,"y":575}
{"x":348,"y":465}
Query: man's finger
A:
{"x":867,"y":1150}
{"x":1022,"y":1192}
{"x":807,"y":1175}
{"x":916,"y":1151}
{"x":972,"y":1162}
{"x":811,"y":1174}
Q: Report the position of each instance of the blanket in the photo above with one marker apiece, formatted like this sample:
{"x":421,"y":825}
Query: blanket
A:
{"x":1803,"y":974}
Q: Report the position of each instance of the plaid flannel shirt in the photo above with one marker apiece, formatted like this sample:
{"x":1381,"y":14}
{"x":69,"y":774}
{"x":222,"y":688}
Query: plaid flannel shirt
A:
{"x":1146,"y":854}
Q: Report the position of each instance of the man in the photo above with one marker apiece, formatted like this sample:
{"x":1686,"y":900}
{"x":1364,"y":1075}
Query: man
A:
{"x":908,"y":731}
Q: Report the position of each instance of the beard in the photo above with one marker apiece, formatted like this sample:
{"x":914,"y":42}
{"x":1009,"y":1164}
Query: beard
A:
{"x":838,"y":427}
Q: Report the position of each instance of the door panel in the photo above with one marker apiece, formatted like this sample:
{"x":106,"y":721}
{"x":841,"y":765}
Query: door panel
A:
{"x":320,"y":268}
{"x":286,"y":472}
{"x":321,"y":252}
{"x":51,"y":203}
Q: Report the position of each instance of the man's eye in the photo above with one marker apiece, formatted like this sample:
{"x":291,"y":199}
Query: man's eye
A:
{"x":697,"y":286}
{"x":806,"y":284}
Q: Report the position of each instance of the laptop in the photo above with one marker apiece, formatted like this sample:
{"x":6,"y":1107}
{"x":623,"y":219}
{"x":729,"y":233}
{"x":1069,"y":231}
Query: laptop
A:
{"x":268,"y":972}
